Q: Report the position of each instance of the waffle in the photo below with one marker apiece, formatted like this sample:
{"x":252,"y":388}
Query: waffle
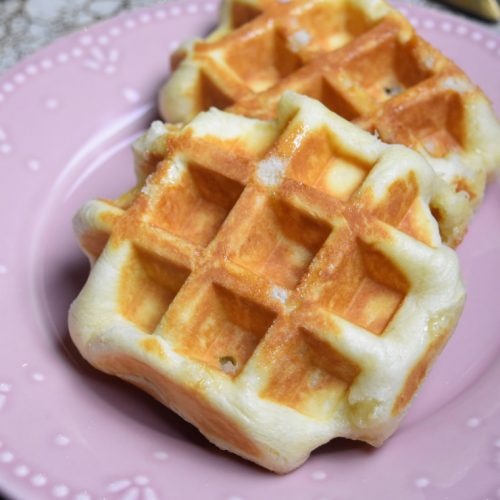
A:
{"x":272,"y":275}
{"x":360,"y":58}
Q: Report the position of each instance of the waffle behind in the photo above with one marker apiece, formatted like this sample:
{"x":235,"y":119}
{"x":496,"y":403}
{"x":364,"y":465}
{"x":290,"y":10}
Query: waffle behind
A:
{"x":363,"y":60}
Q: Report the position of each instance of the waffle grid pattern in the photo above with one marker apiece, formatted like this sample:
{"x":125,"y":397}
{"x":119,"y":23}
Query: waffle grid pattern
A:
{"x":260,"y":43}
{"x":211,"y":228}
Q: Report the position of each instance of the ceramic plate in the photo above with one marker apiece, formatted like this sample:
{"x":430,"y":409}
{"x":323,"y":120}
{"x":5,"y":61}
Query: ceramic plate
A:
{"x":67,"y":117}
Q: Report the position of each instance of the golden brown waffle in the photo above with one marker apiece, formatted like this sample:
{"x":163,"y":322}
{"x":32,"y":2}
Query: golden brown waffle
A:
{"x":361,"y":59}
{"x":273,"y":275}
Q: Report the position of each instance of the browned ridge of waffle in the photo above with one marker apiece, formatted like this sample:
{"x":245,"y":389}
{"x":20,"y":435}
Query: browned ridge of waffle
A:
{"x":279,"y":273}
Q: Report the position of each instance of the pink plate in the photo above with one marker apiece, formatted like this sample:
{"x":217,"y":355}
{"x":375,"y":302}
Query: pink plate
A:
{"x":67,"y":117}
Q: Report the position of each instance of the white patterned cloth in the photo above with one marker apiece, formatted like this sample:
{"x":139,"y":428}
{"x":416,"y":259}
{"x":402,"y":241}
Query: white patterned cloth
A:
{"x":26,"y":25}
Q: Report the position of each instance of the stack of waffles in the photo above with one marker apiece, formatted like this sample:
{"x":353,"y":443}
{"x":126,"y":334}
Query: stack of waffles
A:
{"x":277,"y":266}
